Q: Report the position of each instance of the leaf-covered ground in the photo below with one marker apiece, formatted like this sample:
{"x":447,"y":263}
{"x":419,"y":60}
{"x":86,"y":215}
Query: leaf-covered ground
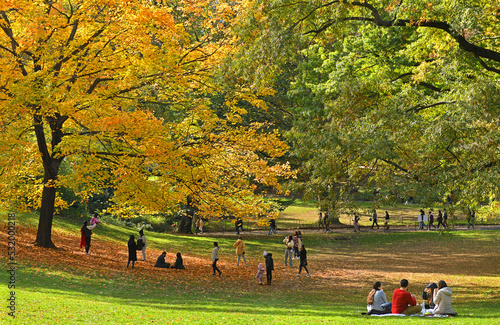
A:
{"x":343,"y":261}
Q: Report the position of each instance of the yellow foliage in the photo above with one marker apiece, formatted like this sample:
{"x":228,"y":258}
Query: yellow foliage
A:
{"x":78,"y":84}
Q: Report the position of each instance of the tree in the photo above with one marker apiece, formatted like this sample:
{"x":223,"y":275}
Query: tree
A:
{"x":78,"y":82}
{"x":397,"y":98}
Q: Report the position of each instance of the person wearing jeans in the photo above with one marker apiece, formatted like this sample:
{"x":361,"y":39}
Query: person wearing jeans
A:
{"x":288,"y":250}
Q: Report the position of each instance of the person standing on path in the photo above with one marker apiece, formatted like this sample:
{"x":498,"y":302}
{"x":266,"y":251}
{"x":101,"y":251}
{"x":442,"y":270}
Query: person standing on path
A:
{"x":240,"y":250}
{"x":445,"y":219}
{"x":303,"y":260}
{"x":215,"y":258}
{"x":144,"y":244}
{"x":86,"y":232}
{"x":374,"y":218}
{"x":132,"y":251}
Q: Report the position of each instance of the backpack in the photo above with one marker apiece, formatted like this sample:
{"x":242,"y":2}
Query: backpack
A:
{"x":140,"y":244}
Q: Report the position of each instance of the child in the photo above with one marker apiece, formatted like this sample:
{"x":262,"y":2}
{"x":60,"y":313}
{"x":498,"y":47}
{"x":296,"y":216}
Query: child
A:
{"x":95,"y":219}
{"x":260,"y":272}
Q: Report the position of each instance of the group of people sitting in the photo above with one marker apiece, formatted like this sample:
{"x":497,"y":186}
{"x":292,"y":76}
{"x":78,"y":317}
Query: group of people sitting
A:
{"x":436,"y":300}
{"x":160,"y":262}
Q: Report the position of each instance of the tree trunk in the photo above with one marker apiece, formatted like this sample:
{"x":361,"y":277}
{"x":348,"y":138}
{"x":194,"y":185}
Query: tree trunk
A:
{"x":51,"y":171}
{"x":44,"y":234}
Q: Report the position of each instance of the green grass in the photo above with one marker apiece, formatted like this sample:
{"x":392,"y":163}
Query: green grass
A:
{"x":48,"y":293}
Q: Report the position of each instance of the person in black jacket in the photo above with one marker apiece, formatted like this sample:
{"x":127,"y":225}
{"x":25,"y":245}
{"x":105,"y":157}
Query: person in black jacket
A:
{"x":269,"y":267}
{"x":132,"y":251}
{"x":178,"y":263}
{"x":160,"y":261}
{"x":303,"y":260}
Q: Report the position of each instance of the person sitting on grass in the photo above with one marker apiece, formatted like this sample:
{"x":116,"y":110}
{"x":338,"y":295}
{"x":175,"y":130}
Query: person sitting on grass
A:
{"x":178,"y":263}
{"x":377,"y":302}
{"x":442,"y":299}
{"x":404,"y":302}
{"x":160,"y":261}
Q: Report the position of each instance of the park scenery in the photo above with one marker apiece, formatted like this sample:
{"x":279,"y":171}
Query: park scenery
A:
{"x":141,"y":135}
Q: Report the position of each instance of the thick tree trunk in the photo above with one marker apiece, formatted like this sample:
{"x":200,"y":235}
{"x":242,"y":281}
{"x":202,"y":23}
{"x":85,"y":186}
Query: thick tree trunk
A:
{"x":51,"y":171}
{"x":44,"y":234}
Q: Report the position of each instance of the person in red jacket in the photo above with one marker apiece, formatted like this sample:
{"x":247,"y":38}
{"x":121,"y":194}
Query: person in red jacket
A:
{"x":404,"y":302}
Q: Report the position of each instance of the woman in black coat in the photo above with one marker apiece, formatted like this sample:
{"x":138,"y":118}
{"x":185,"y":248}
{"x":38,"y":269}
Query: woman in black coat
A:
{"x":178,"y":263}
{"x":303,"y":260}
{"x":132,"y":251}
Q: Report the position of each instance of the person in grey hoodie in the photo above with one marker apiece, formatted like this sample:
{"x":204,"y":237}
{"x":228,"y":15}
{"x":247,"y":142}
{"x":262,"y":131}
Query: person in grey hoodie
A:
{"x":442,"y":299}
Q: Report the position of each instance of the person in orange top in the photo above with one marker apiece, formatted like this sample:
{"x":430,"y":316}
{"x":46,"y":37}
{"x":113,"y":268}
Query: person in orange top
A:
{"x":404,"y":302}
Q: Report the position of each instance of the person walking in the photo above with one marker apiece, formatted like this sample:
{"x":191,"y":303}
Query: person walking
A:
{"x":288,"y":241}
{"x":240,"y":250}
{"x":445,"y":219}
{"x":421,"y":223}
{"x":132,"y":251}
{"x":86,"y":234}
{"x":272,"y":227}
{"x":440,"y":219}
{"x":374,"y":218}
{"x":356,"y":223}
{"x":431,"y":221}
{"x":215,"y":258}
{"x":303,"y":260}
{"x":386,"y":224}
{"x":143,"y":245}
{"x":238,"y":225}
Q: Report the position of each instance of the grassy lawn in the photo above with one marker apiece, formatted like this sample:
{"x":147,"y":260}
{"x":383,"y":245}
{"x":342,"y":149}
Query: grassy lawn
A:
{"x":65,"y":286}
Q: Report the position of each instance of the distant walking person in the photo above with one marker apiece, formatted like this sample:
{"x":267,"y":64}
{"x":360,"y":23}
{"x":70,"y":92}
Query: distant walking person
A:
{"x":386,"y":225}
{"x":303,"y":260}
{"x":421,"y":223}
{"x":321,"y":225}
{"x":431,"y":221}
{"x":440,"y":219}
{"x":86,"y":232}
{"x":215,"y":258}
{"x":143,"y":244}
{"x":356,"y":222}
{"x":374,"y":218}
{"x":240,"y":250}
{"x":238,"y":225}
{"x":272,"y":226}
{"x":132,"y":251}
{"x":445,"y":218}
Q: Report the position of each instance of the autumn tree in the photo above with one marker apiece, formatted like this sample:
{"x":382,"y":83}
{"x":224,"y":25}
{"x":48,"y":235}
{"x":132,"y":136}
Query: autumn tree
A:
{"x":392,"y":97}
{"x":119,"y":92}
